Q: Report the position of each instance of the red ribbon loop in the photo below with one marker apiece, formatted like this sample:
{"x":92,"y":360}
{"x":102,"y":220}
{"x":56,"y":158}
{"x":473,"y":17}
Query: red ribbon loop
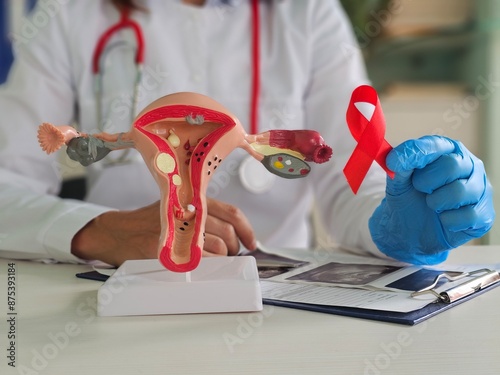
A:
{"x":370,"y":135}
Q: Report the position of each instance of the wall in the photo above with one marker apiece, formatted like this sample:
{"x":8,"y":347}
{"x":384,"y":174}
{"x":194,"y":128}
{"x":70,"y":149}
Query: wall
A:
{"x":11,"y":18}
{"x":488,"y":58}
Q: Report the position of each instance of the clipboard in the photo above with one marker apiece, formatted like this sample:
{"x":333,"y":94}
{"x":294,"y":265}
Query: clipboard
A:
{"x":482,"y":281}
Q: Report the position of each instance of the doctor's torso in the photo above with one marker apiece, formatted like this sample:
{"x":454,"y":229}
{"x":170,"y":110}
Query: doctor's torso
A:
{"x":305,"y":82}
{"x":205,"y":50}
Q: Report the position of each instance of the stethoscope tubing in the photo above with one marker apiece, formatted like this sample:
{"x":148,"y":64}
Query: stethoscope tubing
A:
{"x":126,"y":22}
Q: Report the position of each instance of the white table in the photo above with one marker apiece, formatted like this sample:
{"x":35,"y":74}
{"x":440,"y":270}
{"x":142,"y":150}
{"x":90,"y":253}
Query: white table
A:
{"x":58,"y":332}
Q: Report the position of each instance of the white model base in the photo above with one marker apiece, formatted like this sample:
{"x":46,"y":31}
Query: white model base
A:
{"x":145,"y":287}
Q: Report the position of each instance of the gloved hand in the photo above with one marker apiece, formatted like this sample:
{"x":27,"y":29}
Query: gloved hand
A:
{"x":439,"y":199}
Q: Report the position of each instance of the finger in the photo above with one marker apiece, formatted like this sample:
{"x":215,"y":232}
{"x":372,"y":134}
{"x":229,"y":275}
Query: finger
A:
{"x":223,"y":231}
{"x":474,"y":219}
{"x":446,"y":169}
{"x":208,"y":254}
{"x":240,"y":228}
{"x":453,"y":196}
{"x":417,"y":153}
{"x":459,"y":193}
{"x":214,"y":246}
{"x":413,"y":154}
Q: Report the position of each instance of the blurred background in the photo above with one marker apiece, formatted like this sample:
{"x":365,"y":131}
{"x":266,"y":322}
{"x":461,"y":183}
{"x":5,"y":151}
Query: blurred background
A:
{"x":435,"y":63}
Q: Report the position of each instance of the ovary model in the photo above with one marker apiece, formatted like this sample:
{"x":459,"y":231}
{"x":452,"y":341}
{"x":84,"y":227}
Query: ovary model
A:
{"x":183,"y":139}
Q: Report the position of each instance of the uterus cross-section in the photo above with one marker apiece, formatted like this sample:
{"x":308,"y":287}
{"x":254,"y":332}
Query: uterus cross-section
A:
{"x":183,"y":139}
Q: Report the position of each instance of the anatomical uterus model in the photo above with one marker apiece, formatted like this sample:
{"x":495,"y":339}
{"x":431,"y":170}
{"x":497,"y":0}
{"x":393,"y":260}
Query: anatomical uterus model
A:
{"x":183,"y":138}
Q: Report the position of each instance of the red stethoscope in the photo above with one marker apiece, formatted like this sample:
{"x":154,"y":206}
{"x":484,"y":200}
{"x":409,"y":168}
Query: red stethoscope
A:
{"x":247,"y":170}
{"x":98,"y":70}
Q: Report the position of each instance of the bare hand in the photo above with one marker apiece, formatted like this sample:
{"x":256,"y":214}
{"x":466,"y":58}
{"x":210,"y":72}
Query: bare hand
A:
{"x":225,"y":227}
{"x":117,"y":236}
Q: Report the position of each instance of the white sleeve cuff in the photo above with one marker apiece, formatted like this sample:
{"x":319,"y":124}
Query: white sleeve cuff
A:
{"x":57,"y":237}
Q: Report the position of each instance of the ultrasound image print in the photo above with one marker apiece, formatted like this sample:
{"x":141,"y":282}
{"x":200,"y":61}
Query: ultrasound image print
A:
{"x":345,"y":273}
{"x":420,"y":279}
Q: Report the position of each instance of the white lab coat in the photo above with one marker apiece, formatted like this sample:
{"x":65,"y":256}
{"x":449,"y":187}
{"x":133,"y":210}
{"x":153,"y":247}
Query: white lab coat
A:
{"x":309,"y":67}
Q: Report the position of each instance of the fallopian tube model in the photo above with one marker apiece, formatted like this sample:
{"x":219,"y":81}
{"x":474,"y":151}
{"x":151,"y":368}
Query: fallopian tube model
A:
{"x":183,"y":138}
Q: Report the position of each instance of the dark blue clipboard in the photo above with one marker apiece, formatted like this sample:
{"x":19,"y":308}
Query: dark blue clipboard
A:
{"x":410,"y":318}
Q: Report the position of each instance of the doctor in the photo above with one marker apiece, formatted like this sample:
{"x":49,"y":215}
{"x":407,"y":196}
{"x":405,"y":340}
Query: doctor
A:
{"x":275,"y":65}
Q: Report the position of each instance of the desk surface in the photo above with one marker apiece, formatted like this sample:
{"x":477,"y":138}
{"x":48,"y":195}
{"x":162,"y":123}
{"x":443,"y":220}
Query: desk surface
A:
{"x":58,"y":332}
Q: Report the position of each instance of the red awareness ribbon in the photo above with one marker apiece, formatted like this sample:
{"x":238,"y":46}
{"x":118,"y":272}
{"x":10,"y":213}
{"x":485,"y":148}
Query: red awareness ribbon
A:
{"x":370,"y":135}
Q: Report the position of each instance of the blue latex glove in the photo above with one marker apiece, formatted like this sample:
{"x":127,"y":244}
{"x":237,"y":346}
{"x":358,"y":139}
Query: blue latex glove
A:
{"x":439,"y":199}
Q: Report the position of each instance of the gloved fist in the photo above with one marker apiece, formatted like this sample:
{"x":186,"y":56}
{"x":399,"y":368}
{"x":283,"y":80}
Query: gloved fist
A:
{"x":439,"y":199}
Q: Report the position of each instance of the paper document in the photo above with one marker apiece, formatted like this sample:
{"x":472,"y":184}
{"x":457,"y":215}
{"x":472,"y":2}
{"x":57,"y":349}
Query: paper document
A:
{"x":358,"y":282}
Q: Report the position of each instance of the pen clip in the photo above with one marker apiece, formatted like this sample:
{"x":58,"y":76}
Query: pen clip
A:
{"x":485,"y":278}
